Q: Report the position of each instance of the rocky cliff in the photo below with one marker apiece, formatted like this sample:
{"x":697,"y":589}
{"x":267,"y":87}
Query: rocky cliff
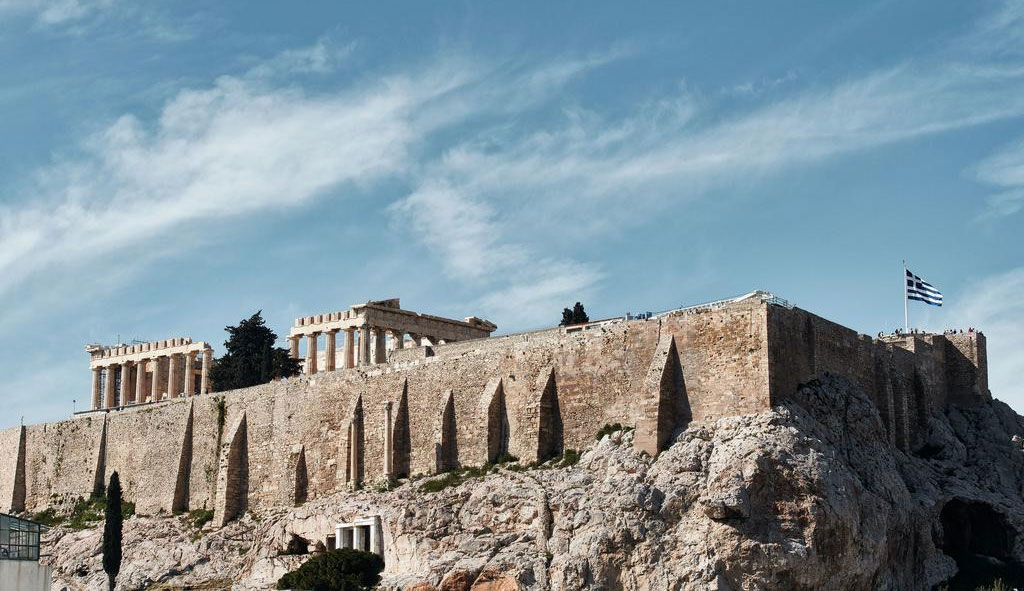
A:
{"x":808,"y":495}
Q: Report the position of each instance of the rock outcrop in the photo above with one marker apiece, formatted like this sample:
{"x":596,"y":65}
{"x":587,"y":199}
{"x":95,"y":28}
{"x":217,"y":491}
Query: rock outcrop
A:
{"x":809,"y":495}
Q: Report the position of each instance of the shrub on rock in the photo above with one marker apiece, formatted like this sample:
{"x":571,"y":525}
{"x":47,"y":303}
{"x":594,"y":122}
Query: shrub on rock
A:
{"x":337,"y":570}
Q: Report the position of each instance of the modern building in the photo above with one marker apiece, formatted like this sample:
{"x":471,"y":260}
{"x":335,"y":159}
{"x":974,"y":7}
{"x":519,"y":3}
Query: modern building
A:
{"x":20,"y":569}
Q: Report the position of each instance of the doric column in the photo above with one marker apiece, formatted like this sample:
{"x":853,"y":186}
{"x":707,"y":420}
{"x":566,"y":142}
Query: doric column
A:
{"x":388,"y":441}
{"x":293,"y":347}
{"x":140,"y":382}
{"x":311,"y":352}
{"x":399,"y":339}
{"x":337,"y":537}
{"x":190,"y":374}
{"x":172,"y":376}
{"x":126,"y":382}
{"x":364,"y":345}
{"x":204,"y":385}
{"x":357,"y":538}
{"x":96,"y":376}
{"x":154,"y":384}
{"x":380,"y":352}
{"x":376,"y":539}
{"x":349,"y":354}
{"x":332,"y":344}
{"x":108,"y":388}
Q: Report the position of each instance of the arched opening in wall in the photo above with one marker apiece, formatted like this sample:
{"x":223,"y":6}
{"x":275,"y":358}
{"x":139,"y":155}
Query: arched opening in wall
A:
{"x":549,"y":431}
{"x":401,"y":437}
{"x":236,"y":488}
{"x":981,"y":541}
{"x":497,"y":424}
{"x":301,"y":488}
{"x":447,"y":449}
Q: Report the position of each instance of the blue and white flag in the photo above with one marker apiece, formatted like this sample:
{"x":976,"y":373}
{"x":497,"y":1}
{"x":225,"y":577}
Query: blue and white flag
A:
{"x":922,"y":291}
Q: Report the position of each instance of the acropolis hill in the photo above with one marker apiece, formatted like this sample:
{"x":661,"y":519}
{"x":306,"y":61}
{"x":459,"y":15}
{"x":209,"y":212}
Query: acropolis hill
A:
{"x":454,"y":397}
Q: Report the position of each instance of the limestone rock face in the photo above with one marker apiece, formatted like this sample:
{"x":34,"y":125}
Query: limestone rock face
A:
{"x":809,"y":495}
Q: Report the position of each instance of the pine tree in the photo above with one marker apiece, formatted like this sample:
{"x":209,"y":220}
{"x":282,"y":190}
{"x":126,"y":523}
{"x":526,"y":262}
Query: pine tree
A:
{"x":566,"y":317}
{"x":112,"y":528}
{"x":251,"y":358}
{"x":579,"y":315}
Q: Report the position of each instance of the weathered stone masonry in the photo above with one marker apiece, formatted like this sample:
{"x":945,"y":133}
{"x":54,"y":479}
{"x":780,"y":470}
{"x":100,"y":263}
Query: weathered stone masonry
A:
{"x":433,"y":407}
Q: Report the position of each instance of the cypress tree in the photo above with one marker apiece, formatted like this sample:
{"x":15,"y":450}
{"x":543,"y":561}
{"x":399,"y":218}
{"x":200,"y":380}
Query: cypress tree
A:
{"x":250,"y":357}
{"x":113,"y":523}
{"x":579,"y":315}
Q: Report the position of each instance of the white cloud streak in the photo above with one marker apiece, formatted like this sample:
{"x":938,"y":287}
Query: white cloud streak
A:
{"x":996,"y":305}
{"x":55,"y":12}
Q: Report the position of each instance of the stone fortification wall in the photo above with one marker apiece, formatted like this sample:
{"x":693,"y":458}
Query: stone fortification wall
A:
{"x":907,"y":376}
{"x":532,"y":395}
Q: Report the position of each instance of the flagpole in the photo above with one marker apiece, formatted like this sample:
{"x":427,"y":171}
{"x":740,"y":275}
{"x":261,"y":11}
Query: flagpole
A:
{"x":906,"y":313}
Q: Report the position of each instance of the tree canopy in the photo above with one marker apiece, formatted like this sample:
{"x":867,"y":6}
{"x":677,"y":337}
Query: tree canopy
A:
{"x":337,"y":570}
{"x":575,"y":316}
{"x":250,"y":357}
{"x":113,"y":524}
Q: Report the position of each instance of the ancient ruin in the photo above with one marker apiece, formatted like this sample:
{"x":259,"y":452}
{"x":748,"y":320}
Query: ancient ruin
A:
{"x":457,"y":400}
{"x":371,"y":331}
{"x":125,"y":375}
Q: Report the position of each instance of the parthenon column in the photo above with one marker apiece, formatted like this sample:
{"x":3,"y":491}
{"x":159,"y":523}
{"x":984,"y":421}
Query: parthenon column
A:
{"x":126,"y":382}
{"x":108,"y":389}
{"x":190,"y":374}
{"x":311,"y":353}
{"x":204,"y":385}
{"x":349,"y":355}
{"x":332,"y":343}
{"x":399,"y":339}
{"x":96,"y":375}
{"x":154,"y":384}
{"x":293,"y":347}
{"x":140,"y":381}
{"x":380,"y":353}
{"x":172,"y":376}
{"x":364,"y":345}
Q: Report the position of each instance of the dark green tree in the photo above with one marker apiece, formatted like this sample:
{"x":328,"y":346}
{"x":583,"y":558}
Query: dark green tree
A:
{"x":337,"y":570}
{"x":579,"y":315}
{"x":575,"y":316}
{"x":113,"y":523}
{"x":250,"y":357}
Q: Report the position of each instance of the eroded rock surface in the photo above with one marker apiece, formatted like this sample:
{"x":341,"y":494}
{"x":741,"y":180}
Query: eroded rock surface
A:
{"x":807,"y":496}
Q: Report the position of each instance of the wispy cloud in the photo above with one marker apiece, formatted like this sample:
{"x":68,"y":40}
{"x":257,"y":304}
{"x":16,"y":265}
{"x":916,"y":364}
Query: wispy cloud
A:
{"x":55,"y":12}
{"x":1005,"y":171}
{"x":996,"y":304}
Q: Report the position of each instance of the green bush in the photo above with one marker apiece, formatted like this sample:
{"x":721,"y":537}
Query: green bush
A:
{"x":336,"y":570}
{"x":608,"y":429}
{"x":200,"y":517}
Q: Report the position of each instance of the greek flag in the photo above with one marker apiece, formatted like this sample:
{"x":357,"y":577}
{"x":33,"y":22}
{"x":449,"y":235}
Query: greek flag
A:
{"x":922,"y":291}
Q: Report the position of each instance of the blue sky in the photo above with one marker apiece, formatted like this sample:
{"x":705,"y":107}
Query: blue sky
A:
{"x":169,"y":168}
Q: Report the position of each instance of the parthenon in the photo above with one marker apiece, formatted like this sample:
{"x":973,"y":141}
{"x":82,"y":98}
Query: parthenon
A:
{"x":123,"y":375}
{"x":371,"y":330}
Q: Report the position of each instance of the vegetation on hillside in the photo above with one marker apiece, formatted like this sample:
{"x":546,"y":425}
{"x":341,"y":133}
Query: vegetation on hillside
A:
{"x":577,"y":315}
{"x":250,"y":357}
{"x":336,"y":570}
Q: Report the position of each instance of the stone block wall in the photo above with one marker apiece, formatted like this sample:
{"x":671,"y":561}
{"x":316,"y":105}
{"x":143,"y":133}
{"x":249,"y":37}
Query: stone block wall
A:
{"x":533,"y":395}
